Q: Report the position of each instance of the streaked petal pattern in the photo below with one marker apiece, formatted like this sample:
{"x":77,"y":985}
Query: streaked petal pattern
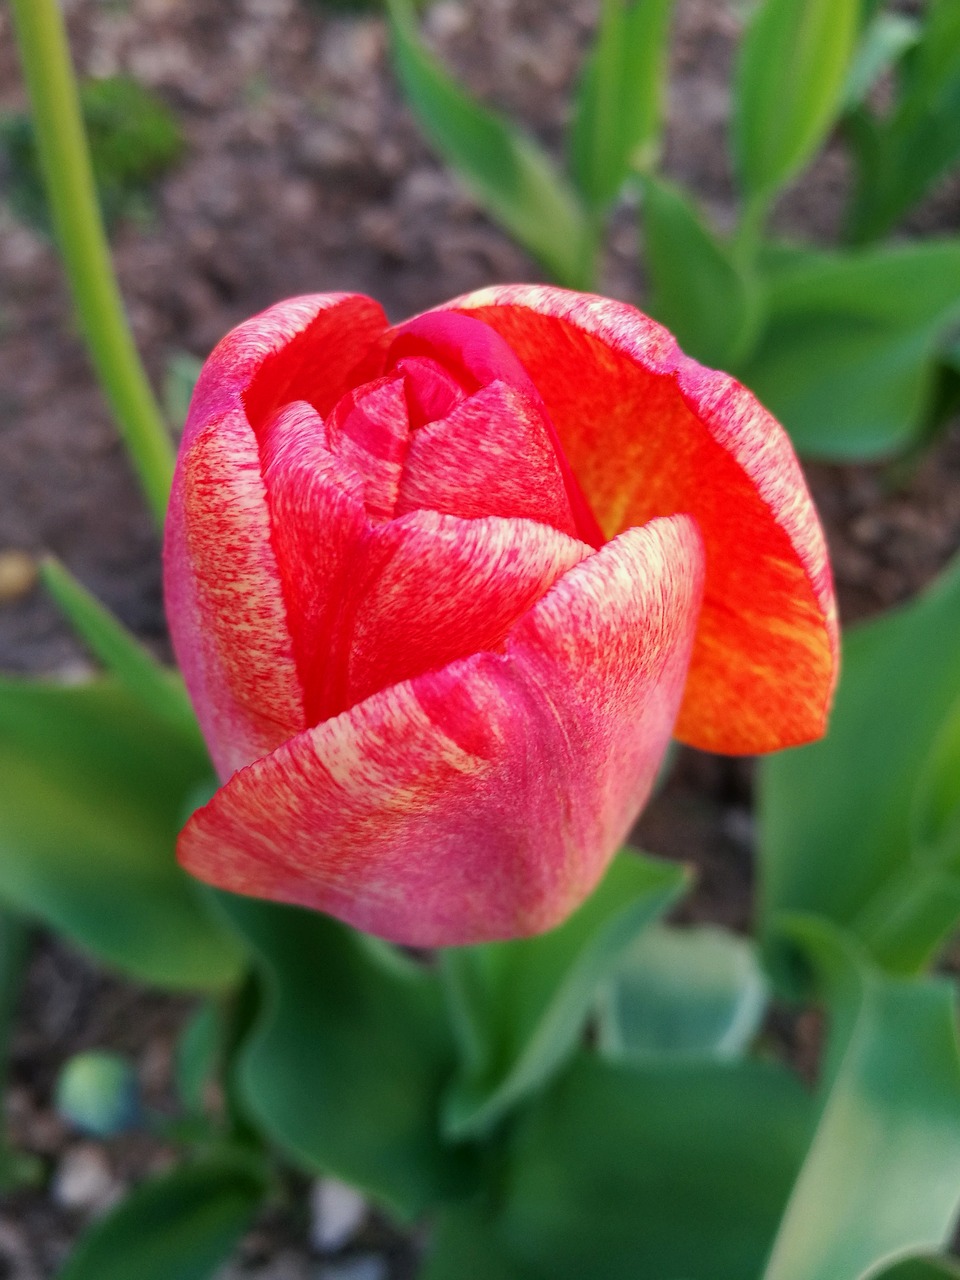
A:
{"x":650,"y":432}
{"x":440,"y":592}
{"x":482,"y":800}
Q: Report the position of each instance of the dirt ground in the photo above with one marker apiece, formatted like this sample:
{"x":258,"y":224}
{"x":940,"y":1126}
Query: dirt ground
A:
{"x":303,"y":171}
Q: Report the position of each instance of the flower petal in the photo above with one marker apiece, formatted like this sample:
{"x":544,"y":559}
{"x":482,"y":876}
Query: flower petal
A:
{"x":433,"y":588}
{"x":484,"y":800}
{"x":224,"y":600}
{"x":491,"y":457}
{"x":649,"y":432}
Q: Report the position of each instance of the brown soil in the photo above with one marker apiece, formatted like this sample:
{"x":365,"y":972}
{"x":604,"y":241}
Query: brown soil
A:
{"x":304,"y":171}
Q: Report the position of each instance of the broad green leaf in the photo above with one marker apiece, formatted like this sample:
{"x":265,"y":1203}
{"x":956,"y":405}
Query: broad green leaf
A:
{"x":684,"y":993}
{"x":790,"y":78}
{"x":179,"y":380}
{"x":675,"y":1171}
{"x":848,"y":356}
{"x":160,"y":690}
{"x":178,"y":1226}
{"x":882,"y":1175}
{"x":837,"y":819}
{"x":618,"y":108}
{"x":345,"y":1067}
{"x":463,"y":1247}
{"x":885,"y":40}
{"x":93,"y":791}
{"x":917,"y":1268}
{"x":519,"y":1007}
{"x":900,"y":154}
{"x":698,"y":290}
{"x":506,"y":170}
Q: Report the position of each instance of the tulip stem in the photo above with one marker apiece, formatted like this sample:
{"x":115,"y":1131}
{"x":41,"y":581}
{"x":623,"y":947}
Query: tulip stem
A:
{"x":68,"y":176}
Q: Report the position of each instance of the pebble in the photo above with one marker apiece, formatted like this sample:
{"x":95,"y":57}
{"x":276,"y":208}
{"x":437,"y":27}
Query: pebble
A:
{"x":336,"y":1212}
{"x":84,"y":1180}
{"x":18,"y":574}
{"x":367,"y":1266}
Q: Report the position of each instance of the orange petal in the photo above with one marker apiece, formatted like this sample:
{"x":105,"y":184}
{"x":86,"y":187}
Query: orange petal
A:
{"x":649,"y":432}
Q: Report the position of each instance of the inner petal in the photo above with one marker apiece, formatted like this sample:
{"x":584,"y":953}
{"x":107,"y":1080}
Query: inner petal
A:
{"x":491,"y":457}
{"x":369,"y":428}
{"x":477,"y":358}
{"x":435,"y":588}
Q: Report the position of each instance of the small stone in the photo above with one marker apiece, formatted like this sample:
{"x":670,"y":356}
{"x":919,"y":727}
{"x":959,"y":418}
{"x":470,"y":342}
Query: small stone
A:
{"x":367,"y":1266}
{"x":336,"y":1212}
{"x":84,"y":1180}
{"x":18,"y":574}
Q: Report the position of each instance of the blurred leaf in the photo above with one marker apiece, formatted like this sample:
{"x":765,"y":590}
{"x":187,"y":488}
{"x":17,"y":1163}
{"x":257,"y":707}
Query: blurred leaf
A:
{"x":160,"y":690}
{"x":506,"y":170}
{"x":837,"y":834}
{"x":618,"y":107}
{"x":345,"y":1066}
{"x":93,"y":788}
{"x":676,"y":1171}
{"x":685,"y":993}
{"x":900,"y":155}
{"x":917,"y":1268}
{"x":178,"y":1226}
{"x":884,"y":41}
{"x":518,"y":1008}
{"x":708,"y":302}
{"x":790,"y":77}
{"x":882,"y":1176}
{"x":848,"y":356}
{"x":463,"y":1247}
{"x":198,"y":1053}
{"x":98,"y":1093}
{"x":179,"y":380}
{"x":134,"y":139}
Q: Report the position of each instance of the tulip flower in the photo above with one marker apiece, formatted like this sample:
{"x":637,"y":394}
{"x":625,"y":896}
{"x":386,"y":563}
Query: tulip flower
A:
{"x":442,"y":592}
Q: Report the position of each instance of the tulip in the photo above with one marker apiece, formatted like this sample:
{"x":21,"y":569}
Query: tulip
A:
{"x":441,"y":593}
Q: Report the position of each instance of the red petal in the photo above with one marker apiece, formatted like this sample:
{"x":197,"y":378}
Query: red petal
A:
{"x":434,"y":588}
{"x":650,"y":432}
{"x":492,"y":456}
{"x":482,"y":801}
{"x":224,"y":600}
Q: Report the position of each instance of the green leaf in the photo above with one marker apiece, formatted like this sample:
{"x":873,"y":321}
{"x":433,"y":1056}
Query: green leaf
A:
{"x":790,"y":79}
{"x":684,"y":993}
{"x":506,"y":170}
{"x":847,"y":359}
{"x":178,"y":1226}
{"x":519,"y":1007}
{"x":674,"y":1171}
{"x":885,"y":40}
{"x":160,"y":690}
{"x":882,"y":1175}
{"x":900,"y":154}
{"x":345,"y":1066}
{"x":93,"y":790}
{"x":698,"y":290}
{"x":618,"y":108}
{"x":15,"y":938}
{"x":179,"y":379}
{"x":838,"y":818}
{"x":198,"y":1053}
{"x":918,"y":1268}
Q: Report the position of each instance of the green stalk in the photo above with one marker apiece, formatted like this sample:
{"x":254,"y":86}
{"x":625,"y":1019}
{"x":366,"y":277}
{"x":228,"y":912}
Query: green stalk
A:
{"x":68,"y":175}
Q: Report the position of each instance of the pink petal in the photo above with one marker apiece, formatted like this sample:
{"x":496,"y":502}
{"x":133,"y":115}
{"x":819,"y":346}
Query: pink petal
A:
{"x":484,"y":800}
